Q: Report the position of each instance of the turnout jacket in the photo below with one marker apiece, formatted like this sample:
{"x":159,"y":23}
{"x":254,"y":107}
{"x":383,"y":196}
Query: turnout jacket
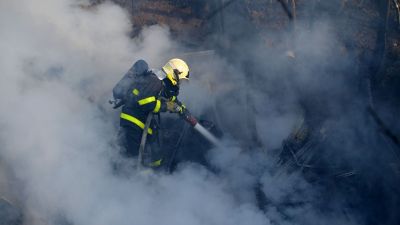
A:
{"x":144,"y":97}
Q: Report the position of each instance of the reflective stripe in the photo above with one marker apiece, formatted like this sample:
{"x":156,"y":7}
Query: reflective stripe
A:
{"x":158,"y":106}
{"x":135,"y":121}
{"x":156,"y":163}
{"x":147,"y":100}
{"x":173,"y":98}
{"x":135,"y":92}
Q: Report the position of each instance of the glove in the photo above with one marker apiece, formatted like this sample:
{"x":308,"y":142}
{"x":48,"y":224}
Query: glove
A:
{"x":173,"y":107}
{"x":182,"y":109}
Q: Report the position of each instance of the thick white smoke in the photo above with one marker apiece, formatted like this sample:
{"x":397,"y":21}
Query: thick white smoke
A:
{"x":59,"y":62}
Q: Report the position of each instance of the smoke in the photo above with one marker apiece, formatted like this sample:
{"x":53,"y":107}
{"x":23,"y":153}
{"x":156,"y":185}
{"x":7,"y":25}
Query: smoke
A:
{"x":309,"y":76}
{"x":59,"y":62}
{"x":319,"y":85}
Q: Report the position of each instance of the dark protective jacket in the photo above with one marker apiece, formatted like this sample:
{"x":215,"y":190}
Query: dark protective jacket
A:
{"x":147,"y":94}
{"x":144,"y":97}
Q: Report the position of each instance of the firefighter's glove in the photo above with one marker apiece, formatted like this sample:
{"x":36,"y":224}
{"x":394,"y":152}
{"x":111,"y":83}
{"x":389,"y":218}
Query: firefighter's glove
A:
{"x":173,"y":107}
{"x":182,"y":109}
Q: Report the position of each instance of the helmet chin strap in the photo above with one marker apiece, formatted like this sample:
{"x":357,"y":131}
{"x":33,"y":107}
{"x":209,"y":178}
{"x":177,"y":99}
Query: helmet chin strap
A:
{"x":169,"y":88}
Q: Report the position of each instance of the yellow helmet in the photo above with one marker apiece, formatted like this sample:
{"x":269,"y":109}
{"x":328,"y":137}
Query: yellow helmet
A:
{"x":176,"y":69}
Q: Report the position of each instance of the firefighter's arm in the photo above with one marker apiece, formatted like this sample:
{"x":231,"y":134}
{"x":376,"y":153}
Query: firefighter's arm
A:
{"x":156,"y":105}
{"x":150,"y":104}
{"x":148,"y":97}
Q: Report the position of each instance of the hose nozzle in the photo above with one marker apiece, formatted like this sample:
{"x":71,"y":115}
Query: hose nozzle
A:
{"x":187,"y":116}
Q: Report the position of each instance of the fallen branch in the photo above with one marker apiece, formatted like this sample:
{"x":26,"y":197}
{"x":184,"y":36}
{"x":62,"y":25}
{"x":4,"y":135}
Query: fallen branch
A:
{"x":384,"y":129}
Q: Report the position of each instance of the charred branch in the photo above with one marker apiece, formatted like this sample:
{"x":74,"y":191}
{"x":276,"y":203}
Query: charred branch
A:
{"x":286,"y":9}
{"x":383,"y":128}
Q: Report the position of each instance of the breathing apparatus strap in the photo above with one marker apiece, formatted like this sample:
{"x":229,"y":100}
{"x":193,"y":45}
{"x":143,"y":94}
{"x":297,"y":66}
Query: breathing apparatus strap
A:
{"x":143,"y":141}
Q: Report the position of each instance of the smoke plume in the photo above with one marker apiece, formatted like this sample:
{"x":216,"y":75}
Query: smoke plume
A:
{"x":59,"y":62}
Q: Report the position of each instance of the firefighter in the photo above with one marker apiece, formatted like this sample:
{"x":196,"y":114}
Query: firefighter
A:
{"x":150,"y":93}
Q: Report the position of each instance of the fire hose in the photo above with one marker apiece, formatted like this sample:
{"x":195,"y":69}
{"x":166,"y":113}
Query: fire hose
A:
{"x":188,"y":117}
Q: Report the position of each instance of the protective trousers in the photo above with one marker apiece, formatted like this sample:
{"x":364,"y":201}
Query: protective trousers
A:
{"x":130,"y":137}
